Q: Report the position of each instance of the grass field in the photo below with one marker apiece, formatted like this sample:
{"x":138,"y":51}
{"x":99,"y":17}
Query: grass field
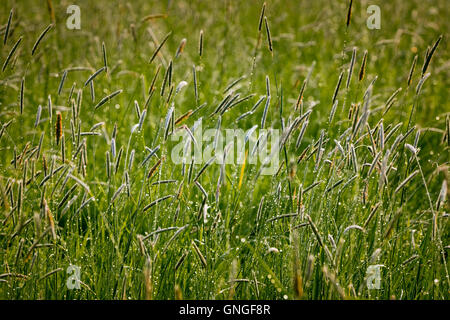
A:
{"x":88,"y":178}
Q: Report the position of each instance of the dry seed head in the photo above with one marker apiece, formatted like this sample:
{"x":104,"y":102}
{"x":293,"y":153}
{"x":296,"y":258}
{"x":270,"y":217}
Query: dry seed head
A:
{"x":349,"y":13}
{"x":269,"y":39}
{"x":336,"y":90}
{"x":153,"y":169}
{"x":442,"y":195}
{"x":362,"y":71}
{"x":22,"y":89}
{"x":92,"y":90}
{"x":350,"y":69}
{"x":105,"y":59}
{"x":38,"y":116}
{"x":11,"y":53}
{"x":152,"y":86}
{"x":183,"y":117}
{"x":61,"y":84}
{"x":181,"y":47}
{"x":7,"y":27}
{"x":154,"y":16}
{"x":63,"y":150}
{"x":429,"y":55}
{"x":58,"y":128}
{"x":159,"y":47}
{"x":199,"y":254}
{"x":263,"y":10}
{"x":309,"y":268}
{"x":411,"y":72}
{"x":200,"y":45}
{"x":40,"y":38}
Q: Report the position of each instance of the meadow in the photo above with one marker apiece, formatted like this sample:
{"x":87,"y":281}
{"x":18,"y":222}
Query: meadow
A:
{"x":93,"y":204}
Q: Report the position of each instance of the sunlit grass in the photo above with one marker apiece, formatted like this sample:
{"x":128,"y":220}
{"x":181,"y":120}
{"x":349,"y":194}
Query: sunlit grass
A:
{"x":364,"y":184}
